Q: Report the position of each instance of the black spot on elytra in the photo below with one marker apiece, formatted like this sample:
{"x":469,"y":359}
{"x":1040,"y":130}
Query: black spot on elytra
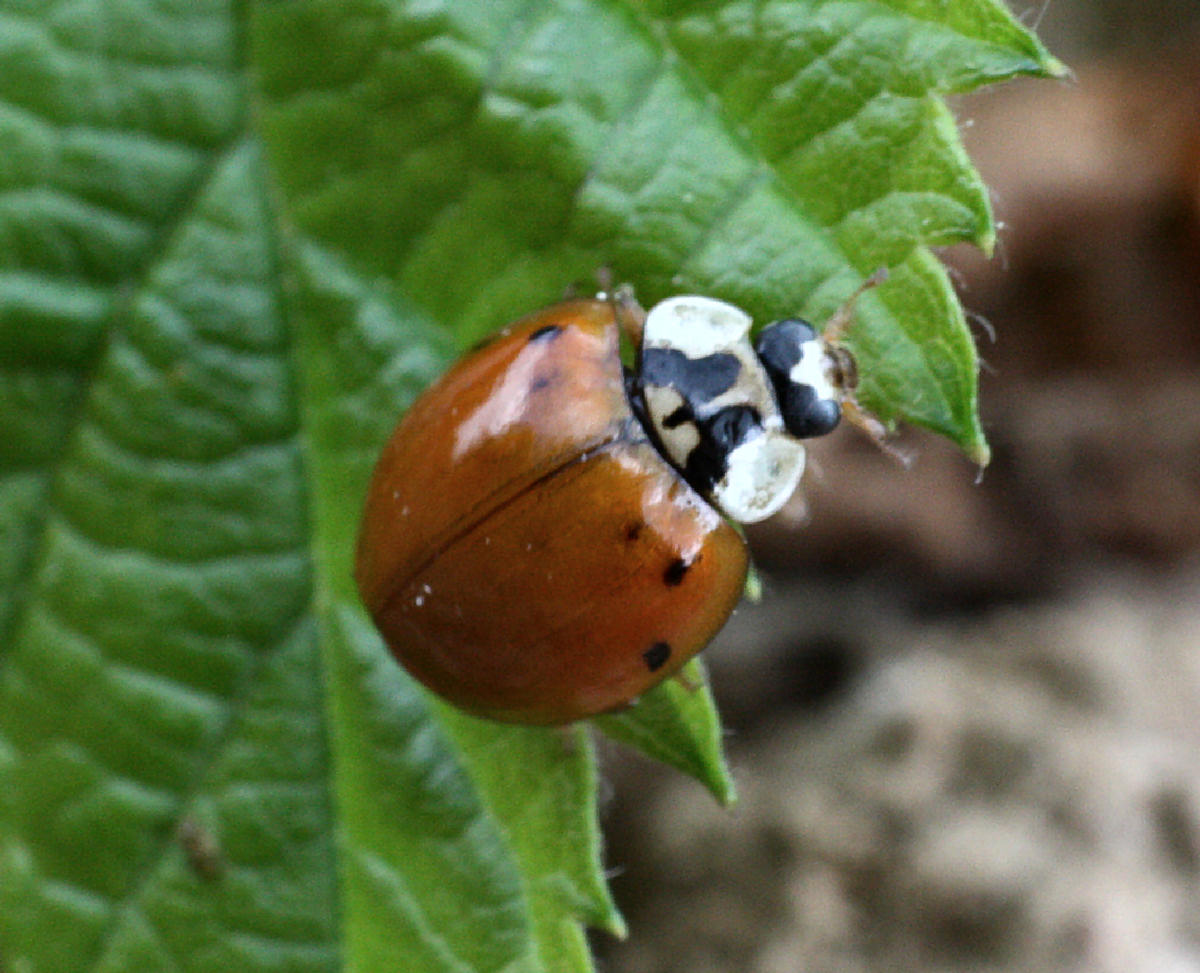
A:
{"x":675,"y":573}
{"x":634,"y":531}
{"x":546,"y":332}
{"x":656,"y":656}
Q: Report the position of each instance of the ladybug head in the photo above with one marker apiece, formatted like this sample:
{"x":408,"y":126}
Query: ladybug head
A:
{"x":810,"y":377}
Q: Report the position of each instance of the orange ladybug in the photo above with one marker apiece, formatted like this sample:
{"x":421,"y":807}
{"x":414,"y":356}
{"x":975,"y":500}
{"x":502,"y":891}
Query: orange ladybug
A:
{"x":545,"y":533}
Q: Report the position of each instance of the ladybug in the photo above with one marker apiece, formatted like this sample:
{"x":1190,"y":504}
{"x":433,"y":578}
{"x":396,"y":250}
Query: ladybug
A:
{"x":547,"y":533}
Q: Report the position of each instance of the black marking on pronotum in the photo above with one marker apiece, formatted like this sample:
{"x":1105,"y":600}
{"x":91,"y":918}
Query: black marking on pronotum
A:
{"x":656,"y":656}
{"x":637,"y":398}
{"x":698,"y":380}
{"x":720,"y":435}
{"x":678,"y":417}
{"x":675,"y":573}
{"x":546,"y":331}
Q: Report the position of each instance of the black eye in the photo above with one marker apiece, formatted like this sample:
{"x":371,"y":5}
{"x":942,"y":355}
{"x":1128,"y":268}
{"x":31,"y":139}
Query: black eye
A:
{"x":805,"y":414}
{"x":780,"y":347}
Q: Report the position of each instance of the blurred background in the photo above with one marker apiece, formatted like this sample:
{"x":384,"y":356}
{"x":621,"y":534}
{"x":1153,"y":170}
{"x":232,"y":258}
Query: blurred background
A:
{"x":965,"y":720}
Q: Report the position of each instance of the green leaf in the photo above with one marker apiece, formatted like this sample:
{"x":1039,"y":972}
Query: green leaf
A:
{"x":236,"y":240}
{"x":677,"y":724}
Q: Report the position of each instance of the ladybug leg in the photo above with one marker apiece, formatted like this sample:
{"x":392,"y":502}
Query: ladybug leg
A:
{"x":686,"y":681}
{"x":630,"y":315}
{"x":834,"y":330}
{"x":874,"y":430}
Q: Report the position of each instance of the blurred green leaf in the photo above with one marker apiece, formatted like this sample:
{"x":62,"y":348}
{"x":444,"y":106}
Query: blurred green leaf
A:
{"x":235,"y":241}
